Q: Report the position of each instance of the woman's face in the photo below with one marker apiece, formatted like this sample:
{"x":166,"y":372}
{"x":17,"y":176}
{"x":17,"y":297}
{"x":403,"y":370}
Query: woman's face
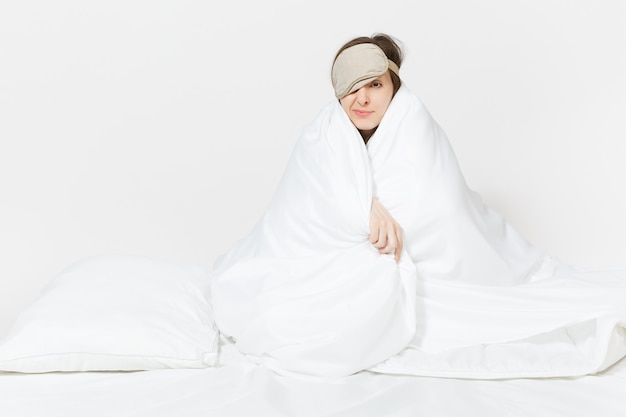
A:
{"x":367,"y":105}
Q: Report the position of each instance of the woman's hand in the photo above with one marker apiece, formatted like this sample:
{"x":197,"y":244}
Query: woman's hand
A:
{"x":385,"y":232}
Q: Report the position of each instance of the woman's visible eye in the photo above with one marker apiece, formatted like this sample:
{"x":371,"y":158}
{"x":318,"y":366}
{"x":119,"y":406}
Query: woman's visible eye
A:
{"x":377,"y":84}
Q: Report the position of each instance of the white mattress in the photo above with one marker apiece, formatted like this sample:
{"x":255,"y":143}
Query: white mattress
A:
{"x":240,"y":388}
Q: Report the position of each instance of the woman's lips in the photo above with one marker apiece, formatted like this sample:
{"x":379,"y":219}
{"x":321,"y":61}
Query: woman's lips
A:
{"x":362,"y":113}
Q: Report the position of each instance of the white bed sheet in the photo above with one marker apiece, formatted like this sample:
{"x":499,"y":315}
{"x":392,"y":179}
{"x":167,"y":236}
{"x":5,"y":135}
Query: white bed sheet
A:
{"x":240,"y":388}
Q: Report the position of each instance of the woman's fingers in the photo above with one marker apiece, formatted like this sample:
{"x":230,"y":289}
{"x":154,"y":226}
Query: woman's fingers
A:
{"x":394,"y":242}
{"x":382,"y":237}
{"x":378,"y":229}
{"x":399,"y":247}
{"x":385,"y":232}
{"x":374,"y":233}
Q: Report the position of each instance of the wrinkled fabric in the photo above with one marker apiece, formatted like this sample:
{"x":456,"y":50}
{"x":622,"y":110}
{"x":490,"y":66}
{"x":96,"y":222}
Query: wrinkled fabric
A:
{"x":306,"y":293}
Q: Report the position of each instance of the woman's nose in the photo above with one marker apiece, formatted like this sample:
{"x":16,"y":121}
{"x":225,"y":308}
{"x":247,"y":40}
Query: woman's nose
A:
{"x":362,"y":97}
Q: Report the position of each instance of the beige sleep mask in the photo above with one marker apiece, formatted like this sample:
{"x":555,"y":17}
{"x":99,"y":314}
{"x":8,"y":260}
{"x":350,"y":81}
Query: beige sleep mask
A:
{"x":358,"y":65}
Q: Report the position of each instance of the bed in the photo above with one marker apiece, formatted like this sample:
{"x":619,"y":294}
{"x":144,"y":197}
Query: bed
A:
{"x":239,"y":388}
{"x":144,"y":345}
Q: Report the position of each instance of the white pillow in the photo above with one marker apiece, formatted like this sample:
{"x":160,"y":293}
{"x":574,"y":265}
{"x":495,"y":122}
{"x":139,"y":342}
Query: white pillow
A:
{"x":116,"y":313}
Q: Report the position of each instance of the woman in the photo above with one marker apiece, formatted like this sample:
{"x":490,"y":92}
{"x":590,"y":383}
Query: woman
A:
{"x":365,"y":101}
{"x":328,"y":283}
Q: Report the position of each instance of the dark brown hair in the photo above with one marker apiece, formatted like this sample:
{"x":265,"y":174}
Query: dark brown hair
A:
{"x":389,"y":46}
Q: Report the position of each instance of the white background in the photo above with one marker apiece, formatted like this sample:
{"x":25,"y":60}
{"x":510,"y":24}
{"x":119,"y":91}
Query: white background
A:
{"x":161,"y":128}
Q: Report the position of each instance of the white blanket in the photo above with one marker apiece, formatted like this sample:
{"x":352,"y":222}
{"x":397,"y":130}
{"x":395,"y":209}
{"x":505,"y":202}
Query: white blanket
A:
{"x":306,"y":293}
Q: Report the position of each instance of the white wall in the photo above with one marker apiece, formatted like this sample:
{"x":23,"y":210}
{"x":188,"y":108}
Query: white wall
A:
{"x":162,"y":127}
